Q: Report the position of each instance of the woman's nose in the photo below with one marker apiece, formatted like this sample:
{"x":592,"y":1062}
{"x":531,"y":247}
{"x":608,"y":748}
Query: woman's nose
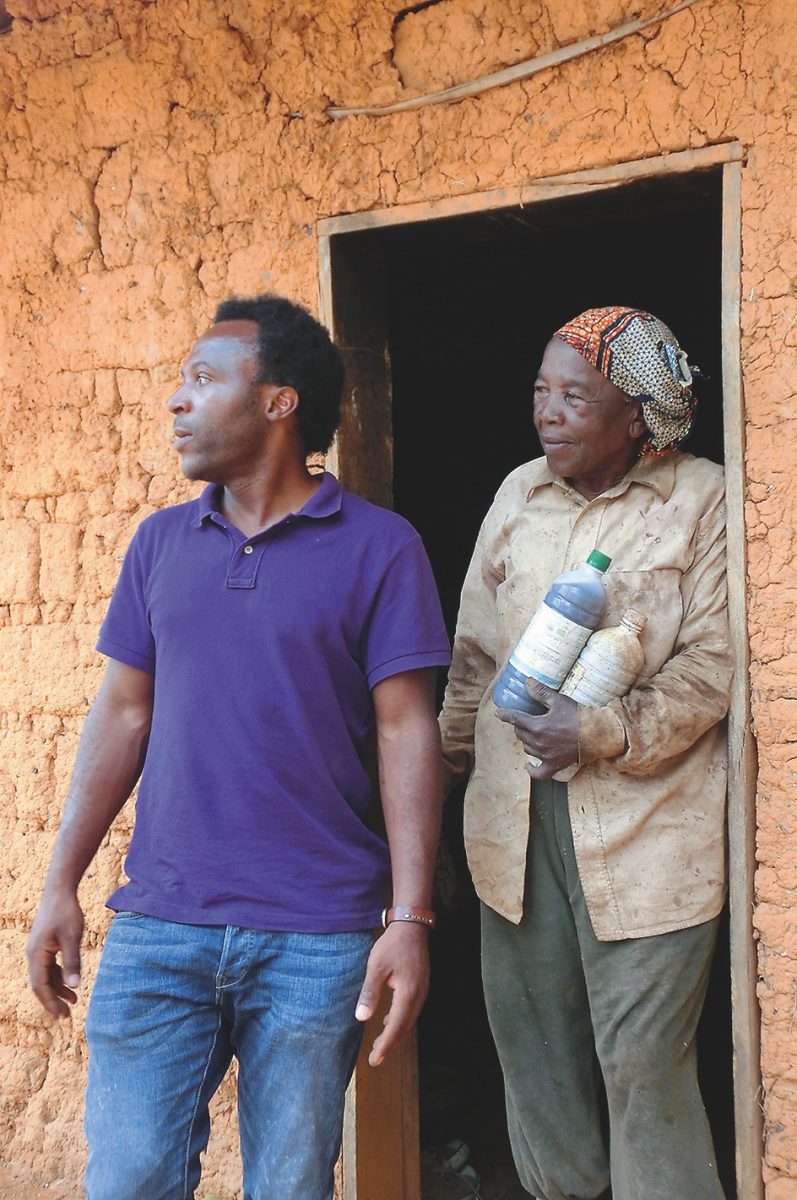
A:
{"x":551,"y":410}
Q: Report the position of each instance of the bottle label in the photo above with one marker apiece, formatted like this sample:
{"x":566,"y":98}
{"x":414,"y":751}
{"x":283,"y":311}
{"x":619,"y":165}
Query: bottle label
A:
{"x":606,"y":668}
{"x":588,"y":689}
{"x":574,"y":677}
{"x":549,"y":647}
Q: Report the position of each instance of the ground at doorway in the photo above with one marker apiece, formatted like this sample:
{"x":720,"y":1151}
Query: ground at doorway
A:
{"x":12,"y":1188}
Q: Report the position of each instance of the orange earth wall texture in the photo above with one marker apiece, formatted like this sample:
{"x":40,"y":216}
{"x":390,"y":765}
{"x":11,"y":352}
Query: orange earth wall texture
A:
{"x":156,"y":156}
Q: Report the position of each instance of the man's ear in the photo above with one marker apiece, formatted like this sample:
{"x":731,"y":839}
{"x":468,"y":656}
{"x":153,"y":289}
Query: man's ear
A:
{"x":280,"y":401}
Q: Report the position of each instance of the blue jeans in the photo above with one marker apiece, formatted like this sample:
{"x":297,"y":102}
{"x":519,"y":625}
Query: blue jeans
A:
{"x":171,"y":1005}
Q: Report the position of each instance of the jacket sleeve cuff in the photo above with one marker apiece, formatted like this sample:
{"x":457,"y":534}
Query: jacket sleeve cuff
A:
{"x":600,"y":734}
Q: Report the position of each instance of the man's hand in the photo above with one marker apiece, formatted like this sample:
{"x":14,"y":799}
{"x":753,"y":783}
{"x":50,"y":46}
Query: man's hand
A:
{"x":399,"y":959}
{"x":57,"y":929}
{"x":552,"y":736}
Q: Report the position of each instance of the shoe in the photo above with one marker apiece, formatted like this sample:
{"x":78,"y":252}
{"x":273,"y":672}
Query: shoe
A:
{"x":441,"y":1182}
{"x":453,"y":1155}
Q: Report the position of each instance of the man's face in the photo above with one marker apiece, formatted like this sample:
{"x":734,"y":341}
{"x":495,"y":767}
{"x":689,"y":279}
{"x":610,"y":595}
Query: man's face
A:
{"x":587,"y":426}
{"x":219,"y":424}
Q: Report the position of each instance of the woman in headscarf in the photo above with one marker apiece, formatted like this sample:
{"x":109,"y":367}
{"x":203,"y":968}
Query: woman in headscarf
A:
{"x":600,"y":896}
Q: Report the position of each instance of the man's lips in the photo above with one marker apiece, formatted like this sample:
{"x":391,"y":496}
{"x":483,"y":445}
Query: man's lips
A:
{"x":179,"y":434}
{"x":554,"y":443}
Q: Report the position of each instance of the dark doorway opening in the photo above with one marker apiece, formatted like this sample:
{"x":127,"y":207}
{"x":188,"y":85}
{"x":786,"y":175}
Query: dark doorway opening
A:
{"x":468,"y":304}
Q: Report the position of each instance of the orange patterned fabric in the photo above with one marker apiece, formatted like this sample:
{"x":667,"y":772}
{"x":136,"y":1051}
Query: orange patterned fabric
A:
{"x":639,"y":355}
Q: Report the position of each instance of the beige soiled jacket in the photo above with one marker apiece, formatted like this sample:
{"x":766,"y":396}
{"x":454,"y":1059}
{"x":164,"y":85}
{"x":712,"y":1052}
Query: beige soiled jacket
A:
{"x":647,"y":806}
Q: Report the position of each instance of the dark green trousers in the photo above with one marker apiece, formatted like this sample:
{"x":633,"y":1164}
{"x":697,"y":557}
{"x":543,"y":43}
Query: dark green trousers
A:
{"x":566,"y":1009}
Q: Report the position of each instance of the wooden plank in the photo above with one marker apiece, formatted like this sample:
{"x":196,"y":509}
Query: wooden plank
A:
{"x":325,"y":307}
{"x":358,"y":306}
{"x":362,"y":452}
{"x":676,"y":163}
{"x":381,"y":1158}
{"x":327,"y":317}
{"x":548,"y":187}
{"x":741,"y":746}
{"x":381,"y":1151}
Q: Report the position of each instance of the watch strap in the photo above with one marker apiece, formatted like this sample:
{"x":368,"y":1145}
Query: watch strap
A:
{"x":406,"y":912}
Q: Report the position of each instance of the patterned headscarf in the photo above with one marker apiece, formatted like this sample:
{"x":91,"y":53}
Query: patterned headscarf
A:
{"x":639,"y":355}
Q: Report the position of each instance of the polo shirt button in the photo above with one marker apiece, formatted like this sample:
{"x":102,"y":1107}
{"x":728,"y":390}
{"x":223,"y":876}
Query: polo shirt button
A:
{"x":248,"y":549}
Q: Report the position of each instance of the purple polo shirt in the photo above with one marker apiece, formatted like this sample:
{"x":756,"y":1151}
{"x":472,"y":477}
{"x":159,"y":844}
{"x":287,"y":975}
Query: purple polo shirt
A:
{"x":253,"y":800}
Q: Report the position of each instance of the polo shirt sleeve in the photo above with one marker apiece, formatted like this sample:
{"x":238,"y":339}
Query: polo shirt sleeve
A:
{"x":125,"y":634}
{"x":405,"y":630}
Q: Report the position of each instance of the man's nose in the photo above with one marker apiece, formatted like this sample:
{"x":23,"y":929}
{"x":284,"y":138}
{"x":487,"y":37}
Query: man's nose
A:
{"x":178,"y":401}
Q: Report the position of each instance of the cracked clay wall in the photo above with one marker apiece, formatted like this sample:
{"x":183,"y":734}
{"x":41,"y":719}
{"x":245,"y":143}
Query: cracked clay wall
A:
{"x":155,"y":157}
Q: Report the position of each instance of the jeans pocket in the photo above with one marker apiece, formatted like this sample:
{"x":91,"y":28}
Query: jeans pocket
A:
{"x":125,"y":914}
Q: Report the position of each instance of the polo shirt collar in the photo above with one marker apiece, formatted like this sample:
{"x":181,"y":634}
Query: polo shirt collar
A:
{"x":326,"y":501}
{"x":323,"y":503}
{"x":652,"y":472}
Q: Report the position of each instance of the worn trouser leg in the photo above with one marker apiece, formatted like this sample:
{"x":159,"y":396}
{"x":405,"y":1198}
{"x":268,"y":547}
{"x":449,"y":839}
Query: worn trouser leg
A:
{"x":555,"y":995}
{"x":539,"y":1014}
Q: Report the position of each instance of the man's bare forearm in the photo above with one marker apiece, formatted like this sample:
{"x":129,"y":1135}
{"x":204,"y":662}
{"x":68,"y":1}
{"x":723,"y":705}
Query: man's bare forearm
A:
{"x":108,"y":763}
{"x":410,"y":777}
{"x":412,"y":805}
{"x":109,"y":760}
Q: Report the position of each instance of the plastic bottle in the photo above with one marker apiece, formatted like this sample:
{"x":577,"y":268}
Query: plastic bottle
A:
{"x":606,"y":668}
{"x":555,"y":635}
{"x":609,"y":664}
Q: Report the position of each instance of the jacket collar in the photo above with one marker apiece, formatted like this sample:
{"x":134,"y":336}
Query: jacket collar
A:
{"x":652,"y":472}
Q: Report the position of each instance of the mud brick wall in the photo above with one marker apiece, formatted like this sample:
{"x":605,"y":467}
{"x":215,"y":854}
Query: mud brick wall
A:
{"x":156,"y":156}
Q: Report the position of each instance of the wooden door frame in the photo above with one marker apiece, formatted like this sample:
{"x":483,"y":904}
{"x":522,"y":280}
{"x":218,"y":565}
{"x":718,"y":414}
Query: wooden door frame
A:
{"x":391,"y":1105}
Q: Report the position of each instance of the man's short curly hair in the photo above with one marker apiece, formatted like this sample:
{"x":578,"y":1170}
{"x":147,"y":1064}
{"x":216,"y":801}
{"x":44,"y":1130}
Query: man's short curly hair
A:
{"x":295,"y":351}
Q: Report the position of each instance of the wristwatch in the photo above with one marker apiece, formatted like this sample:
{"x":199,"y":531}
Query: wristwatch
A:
{"x":405,"y":912}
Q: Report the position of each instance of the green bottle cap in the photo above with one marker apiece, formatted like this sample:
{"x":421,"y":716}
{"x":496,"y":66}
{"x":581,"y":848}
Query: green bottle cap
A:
{"x":601,"y":562}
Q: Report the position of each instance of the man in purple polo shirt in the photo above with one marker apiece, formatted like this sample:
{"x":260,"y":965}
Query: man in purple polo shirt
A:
{"x":258,"y":637}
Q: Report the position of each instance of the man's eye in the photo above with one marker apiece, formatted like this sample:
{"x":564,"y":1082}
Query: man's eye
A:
{"x":202,"y":378}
